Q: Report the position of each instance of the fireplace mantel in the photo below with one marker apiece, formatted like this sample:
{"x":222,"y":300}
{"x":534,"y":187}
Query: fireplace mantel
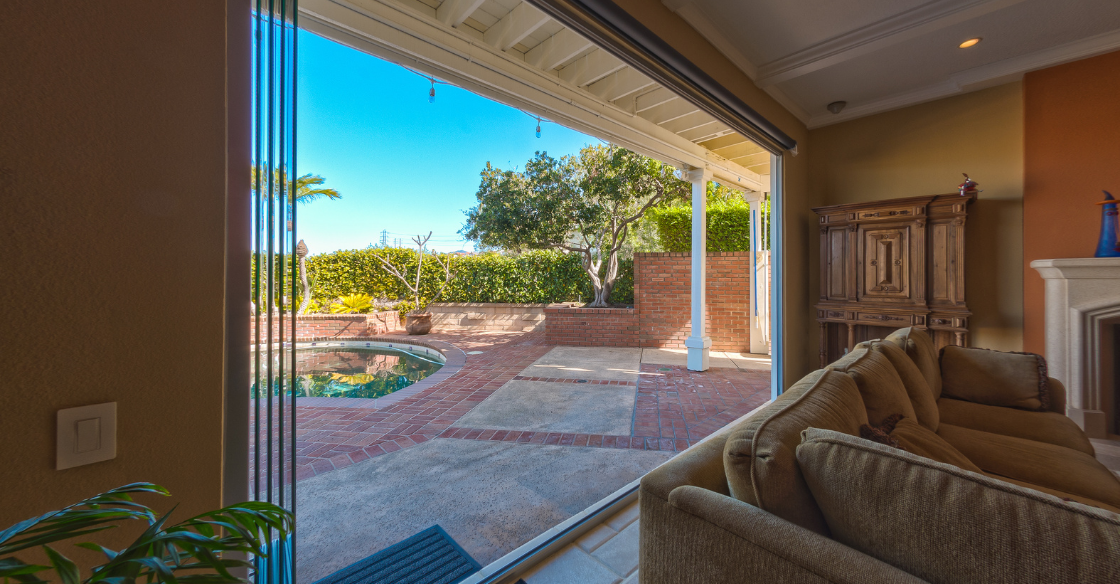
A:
{"x":1082,"y":296}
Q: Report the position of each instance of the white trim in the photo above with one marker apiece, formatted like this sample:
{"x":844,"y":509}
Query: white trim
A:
{"x":876,"y":36}
{"x":406,"y":37}
{"x":981,"y":77}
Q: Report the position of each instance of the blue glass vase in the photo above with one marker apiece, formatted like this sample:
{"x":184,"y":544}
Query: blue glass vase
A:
{"x":1108,"y":246}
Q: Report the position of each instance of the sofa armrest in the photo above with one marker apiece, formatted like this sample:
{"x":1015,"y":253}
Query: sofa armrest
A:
{"x":1057,"y":395}
{"x":700,"y":466}
{"x":700,"y":536}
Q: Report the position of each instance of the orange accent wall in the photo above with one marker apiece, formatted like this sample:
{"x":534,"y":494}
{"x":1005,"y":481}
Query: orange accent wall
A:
{"x":1072,"y":151}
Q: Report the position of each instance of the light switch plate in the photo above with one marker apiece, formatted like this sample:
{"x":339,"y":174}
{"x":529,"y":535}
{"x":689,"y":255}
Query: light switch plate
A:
{"x":86,"y":435}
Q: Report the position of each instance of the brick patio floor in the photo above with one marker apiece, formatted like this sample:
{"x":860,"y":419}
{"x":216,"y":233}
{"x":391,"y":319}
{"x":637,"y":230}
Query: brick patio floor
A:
{"x":674,"y":407}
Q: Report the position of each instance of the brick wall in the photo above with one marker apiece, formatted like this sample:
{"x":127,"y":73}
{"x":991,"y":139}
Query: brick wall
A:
{"x":663,"y":297}
{"x":661,"y":316}
{"x":318,"y":326}
{"x":594,"y":327}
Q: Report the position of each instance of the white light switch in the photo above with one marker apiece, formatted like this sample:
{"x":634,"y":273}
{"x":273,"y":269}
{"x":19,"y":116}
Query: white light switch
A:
{"x":86,"y":435}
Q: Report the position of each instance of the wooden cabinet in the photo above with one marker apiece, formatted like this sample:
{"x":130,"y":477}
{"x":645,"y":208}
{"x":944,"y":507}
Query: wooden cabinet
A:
{"x":892,"y":264}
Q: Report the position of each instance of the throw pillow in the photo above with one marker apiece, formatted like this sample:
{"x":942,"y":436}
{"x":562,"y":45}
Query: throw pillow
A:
{"x":995,"y":378}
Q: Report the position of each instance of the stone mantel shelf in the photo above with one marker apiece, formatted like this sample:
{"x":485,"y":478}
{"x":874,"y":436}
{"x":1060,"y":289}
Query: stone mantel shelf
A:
{"x":1082,"y":297}
{"x":1078,"y":268}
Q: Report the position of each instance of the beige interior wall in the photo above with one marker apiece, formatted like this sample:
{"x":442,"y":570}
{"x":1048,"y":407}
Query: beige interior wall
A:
{"x":922,"y":150}
{"x":801,"y":251}
{"x":113,"y":175}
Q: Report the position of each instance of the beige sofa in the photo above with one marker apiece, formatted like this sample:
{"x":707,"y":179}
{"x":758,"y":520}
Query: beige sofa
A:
{"x":893,"y":464}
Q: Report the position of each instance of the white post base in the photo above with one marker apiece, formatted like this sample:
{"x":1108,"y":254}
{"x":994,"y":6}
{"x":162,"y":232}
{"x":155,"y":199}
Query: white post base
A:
{"x":698,"y":352}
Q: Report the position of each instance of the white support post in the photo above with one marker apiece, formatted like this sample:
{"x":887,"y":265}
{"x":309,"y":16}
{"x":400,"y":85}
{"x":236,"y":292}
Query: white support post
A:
{"x":699,"y":344}
{"x":759,"y":301}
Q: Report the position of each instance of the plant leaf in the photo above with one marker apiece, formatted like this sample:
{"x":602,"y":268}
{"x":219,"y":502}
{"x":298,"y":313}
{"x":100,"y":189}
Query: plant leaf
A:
{"x":66,"y":569}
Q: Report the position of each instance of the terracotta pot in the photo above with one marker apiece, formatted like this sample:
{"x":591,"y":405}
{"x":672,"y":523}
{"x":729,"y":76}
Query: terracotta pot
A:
{"x":418,"y":324}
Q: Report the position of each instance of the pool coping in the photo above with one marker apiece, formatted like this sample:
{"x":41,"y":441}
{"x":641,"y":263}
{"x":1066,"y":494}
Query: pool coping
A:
{"x":455,"y":359}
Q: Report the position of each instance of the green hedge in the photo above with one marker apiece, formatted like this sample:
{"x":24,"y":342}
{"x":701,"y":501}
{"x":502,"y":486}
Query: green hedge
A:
{"x":532,"y":277}
{"x":729,"y":227}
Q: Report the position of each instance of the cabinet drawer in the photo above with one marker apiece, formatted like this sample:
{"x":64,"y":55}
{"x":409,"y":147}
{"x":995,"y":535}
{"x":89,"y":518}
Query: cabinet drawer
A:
{"x":884,"y":319}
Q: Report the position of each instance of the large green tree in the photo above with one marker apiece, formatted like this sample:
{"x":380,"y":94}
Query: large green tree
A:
{"x":585,"y":204}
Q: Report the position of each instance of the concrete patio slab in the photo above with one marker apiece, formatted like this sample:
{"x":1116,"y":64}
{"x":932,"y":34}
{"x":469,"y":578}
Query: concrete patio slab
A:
{"x":611,"y":363}
{"x":750,"y":361}
{"x":490,"y":496}
{"x":679,"y":358}
{"x":716,"y":359}
{"x":547,"y":406}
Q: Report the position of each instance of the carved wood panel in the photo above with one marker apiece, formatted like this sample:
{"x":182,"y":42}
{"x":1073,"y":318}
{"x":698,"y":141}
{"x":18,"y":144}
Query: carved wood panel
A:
{"x":886,"y":263}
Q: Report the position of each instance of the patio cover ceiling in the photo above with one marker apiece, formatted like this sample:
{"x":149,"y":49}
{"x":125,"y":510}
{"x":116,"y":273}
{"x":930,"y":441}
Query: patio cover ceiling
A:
{"x":511,"y":52}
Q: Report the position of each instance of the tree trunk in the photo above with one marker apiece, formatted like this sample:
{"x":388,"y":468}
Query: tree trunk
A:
{"x":303,"y":281}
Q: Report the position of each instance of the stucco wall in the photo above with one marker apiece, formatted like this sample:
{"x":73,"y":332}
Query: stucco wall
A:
{"x":922,"y":150}
{"x":113,"y":169}
{"x":1072,"y":125}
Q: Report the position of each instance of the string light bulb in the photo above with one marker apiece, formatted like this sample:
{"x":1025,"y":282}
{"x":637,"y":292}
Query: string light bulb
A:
{"x":538,"y":127}
{"x":432,"y":92}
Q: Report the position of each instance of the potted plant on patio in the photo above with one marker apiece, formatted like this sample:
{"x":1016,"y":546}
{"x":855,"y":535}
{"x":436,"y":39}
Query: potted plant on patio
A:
{"x":208,"y":548}
{"x":418,"y":321}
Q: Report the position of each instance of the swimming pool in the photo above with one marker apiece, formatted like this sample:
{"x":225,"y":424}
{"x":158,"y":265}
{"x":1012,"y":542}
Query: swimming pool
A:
{"x":356,"y":369}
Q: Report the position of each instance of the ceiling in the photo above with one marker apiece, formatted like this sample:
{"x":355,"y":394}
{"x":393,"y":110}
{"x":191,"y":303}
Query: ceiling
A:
{"x":594,"y":91}
{"x":879,"y":55}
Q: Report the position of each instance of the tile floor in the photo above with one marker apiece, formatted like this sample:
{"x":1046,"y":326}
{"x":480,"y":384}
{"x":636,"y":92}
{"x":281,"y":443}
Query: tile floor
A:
{"x":608,"y":554}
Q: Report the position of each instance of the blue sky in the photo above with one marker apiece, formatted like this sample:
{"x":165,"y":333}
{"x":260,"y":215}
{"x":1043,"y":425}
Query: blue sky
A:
{"x":402,"y":164}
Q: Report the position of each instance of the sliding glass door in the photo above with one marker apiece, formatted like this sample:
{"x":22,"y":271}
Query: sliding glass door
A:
{"x":274,"y":287}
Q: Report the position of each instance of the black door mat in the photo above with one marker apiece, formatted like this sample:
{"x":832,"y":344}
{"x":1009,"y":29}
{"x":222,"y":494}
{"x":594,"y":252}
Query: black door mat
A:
{"x":429,"y":557}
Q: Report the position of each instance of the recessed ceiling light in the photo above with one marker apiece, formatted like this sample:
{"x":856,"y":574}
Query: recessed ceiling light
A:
{"x":970,"y":42}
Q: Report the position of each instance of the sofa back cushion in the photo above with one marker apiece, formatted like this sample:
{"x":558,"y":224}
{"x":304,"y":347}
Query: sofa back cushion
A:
{"x":917,"y":388}
{"x":995,"y":378}
{"x":879,"y":384}
{"x":917,"y":439}
{"x":759,"y":455}
{"x":944,"y":524}
{"x":921,"y":350}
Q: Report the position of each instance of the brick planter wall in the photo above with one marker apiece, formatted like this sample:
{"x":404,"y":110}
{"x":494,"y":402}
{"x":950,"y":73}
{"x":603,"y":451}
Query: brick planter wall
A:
{"x":320,"y":326}
{"x":591,"y":327}
{"x":662,"y":312}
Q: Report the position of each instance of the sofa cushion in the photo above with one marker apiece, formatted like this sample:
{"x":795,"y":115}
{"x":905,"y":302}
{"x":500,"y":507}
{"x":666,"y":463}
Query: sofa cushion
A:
{"x":759,"y":458}
{"x":1049,"y":427}
{"x":917,"y":388}
{"x":919,"y":347}
{"x":1059,"y":494}
{"x":1039,"y":463}
{"x":945,"y":524}
{"x":879,"y":385}
{"x":995,"y":378}
{"x":917,"y":439}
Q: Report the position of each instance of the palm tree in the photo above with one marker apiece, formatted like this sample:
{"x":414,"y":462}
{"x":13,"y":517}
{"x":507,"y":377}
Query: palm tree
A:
{"x":306,"y":188}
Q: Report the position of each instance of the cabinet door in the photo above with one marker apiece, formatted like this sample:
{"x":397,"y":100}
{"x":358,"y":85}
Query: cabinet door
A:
{"x":835,"y":255}
{"x":886,"y":257}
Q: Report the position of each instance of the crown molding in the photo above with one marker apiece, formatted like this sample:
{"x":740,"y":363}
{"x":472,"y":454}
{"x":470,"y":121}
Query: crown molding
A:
{"x":876,"y":36}
{"x":981,"y":77}
{"x":699,"y":21}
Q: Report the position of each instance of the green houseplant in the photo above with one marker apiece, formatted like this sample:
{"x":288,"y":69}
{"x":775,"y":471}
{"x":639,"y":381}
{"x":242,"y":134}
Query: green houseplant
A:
{"x":205,"y":547}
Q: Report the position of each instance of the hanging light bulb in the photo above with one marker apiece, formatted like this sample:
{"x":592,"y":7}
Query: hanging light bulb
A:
{"x":538,"y":127}
{"x":432,"y":92}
